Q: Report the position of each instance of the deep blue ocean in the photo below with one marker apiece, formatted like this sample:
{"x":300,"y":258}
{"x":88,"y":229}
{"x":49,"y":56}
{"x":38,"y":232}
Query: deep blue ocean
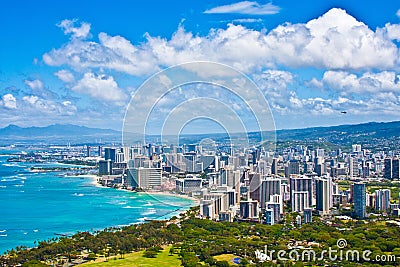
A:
{"x":39,"y":206}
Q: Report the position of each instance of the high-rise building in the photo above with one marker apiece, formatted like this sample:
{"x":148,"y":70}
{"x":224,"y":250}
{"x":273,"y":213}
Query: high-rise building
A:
{"x":188,"y":184}
{"x":320,"y":169}
{"x":228,"y":176}
{"x":274,"y":166}
{"x":207,"y":208}
{"x":269,"y":217}
{"x":301,"y":184}
{"x":323,"y":192}
{"x":356,"y":148}
{"x":249,"y":209}
{"x":276,"y":207}
{"x":109,"y":153}
{"x":395,"y":168}
{"x":307,"y":213}
{"x":388,"y":168}
{"x":382,"y":199}
{"x":353,"y":167}
{"x":308,"y":167}
{"x":299,"y":201}
{"x":269,"y":187}
{"x":119,"y":157}
{"x":255,"y":186}
{"x":144,"y":177}
{"x":105,"y":167}
{"x":391,"y":168}
{"x":359,"y":199}
{"x":320,"y":152}
{"x":293,"y":167}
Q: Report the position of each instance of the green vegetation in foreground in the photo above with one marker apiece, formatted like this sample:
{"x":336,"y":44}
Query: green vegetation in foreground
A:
{"x":198,"y":243}
{"x":164,"y":258}
{"x":226,"y":257}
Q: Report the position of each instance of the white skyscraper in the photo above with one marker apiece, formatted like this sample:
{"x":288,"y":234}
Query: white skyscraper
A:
{"x":324,"y":194}
{"x":299,"y":201}
{"x":301,"y":183}
{"x":382,"y":199}
{"x":269,"y":186}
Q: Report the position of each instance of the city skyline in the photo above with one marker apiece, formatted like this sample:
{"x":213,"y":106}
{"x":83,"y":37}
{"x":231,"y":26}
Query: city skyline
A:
{"x":312,"y":62}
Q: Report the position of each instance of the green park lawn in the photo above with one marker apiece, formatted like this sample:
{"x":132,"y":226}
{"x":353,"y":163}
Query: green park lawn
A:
{"x":137,"y":259}
{"x":226,"y":257}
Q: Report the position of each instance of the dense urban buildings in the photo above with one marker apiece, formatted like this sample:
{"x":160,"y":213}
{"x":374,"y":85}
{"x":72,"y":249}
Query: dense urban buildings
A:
{"x":254,"y":184}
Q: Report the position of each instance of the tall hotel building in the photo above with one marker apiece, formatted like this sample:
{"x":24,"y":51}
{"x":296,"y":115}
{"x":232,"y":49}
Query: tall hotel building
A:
{"x":360,"y":200}
{"x":301,"y":192}
{"x":323,"y":194}
{"x":392,"y":168}
{"x":144,"y":178}
{"x":382,"y":199}
{"x":269,"y":186}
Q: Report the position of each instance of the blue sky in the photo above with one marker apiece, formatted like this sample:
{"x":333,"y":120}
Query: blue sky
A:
{"x":80,"y":61}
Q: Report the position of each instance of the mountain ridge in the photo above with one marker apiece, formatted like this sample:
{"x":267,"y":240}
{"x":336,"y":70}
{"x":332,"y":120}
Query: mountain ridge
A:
{"x":345,"y":133}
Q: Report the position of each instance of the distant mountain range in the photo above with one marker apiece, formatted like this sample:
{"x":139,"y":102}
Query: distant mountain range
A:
{"x":342,"y":134}
{"x":57,"y":133}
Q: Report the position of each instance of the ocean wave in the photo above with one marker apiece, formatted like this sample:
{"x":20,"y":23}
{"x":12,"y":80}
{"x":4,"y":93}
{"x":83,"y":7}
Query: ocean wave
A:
{"x":148,"y":204}
{"x":3,"y":231}
{"x":36,"y":230}
{"x":149,"y":212}
{"x":130,"y":207}
{"x":8,"y":180}
{"x":123,"y":225}
{"x":78,"y":195}
{"x":4,"y":235}
{"x":11,"y":165}
{"x":122,"y":203}
{"x":3,"y":186}
{"x":18,"y":185}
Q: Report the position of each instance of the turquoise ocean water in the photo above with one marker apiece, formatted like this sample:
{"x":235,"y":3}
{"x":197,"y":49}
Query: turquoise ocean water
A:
{"x":39,"y":206}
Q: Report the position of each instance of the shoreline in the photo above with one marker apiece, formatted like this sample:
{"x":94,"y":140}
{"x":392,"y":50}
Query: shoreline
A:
{"x":169,"y":193}
{"x":95,"y":182}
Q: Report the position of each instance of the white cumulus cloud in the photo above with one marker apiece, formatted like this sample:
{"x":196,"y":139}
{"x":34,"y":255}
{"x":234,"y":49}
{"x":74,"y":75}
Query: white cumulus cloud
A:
{"x":100,"y":86}
{"x":336,"y":40}
{"x":34,"y":84}
{"x":346,"y":82}
{"x":245,"y":7}
{"x":69,"y":27}
{"x":65,"y":76}
{"x":8,"y":101}
{"x":36,"y":106}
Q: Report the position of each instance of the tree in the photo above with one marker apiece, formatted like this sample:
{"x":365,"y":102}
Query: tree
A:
{"x":171,"y":251}
{"x":150,"y":254}
{"x":222,"y":264}
{"x":243,"y":262}
{"x":91,"y":256}
{"x":34,"y":263}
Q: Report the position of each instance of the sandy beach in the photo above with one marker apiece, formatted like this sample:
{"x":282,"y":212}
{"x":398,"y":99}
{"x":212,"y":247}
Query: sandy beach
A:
{"x":94,"y":181}
{"x":169,"y":193}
